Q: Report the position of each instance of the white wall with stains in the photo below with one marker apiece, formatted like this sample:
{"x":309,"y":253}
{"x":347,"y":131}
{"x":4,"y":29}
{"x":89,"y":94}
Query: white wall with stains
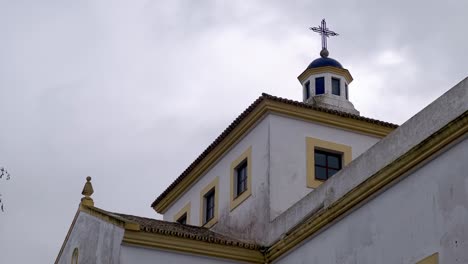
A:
{"x":132,"y":255}
{"x":423,"y":214}
{"x":97,"y":241}
{"x":288,"y":157}
{"x":249,"y":220}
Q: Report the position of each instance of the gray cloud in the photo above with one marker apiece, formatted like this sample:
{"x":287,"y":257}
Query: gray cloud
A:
{"x":131,"y":92}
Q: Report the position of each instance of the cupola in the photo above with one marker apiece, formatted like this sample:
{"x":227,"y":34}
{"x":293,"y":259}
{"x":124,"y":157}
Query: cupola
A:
{"x":325,"y":81}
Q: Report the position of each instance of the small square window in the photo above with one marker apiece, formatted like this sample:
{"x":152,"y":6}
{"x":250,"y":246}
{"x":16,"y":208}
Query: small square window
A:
{"x":319,"y":85}
{"x":336,"y":86}
{"x":182,"y":219}
{"x":241,"y":178}
{"x":209,"y":205}
{"x":326,"y":164}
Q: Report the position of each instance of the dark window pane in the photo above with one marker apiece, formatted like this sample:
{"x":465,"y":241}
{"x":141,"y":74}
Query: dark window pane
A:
{"x":320,"y":173}
{"x":326,"y":164}
{"x":210,"y":204}
{"x":336,"y":86}
{"x":331,"y":172}
{"x":334,"y":162}
{"x":320,"y":159}
{"x":346,"y":90}
{"x":182,"y":219}
{"x":241,"y":178}
{"x":307,"y":89}
{"x":320,"y":85}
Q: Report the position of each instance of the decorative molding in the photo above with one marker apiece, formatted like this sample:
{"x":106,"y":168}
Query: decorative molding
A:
{"x":184,"y":210}
{"x":110,"y":218}
{"x":314,"y":143}
{"x":235,"y":201}
{"x":258,"y":113}
{"x":212,"y":185}
{"x":185,"y":245}
{"x":432,"y":259}
{"x":325,"y":69}
{"x":386,"y":176}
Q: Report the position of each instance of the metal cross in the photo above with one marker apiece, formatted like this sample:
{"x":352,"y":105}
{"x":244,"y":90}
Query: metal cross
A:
{"x":325,"y":32}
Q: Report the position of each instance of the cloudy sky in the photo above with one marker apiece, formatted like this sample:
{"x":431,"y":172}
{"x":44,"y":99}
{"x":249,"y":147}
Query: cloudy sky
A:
{"x":130,"y":92}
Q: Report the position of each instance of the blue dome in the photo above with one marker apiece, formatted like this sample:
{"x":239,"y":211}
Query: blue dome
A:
{"x":322,"y":62}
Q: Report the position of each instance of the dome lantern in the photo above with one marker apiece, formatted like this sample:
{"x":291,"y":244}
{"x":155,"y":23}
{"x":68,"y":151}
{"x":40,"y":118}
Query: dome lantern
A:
{"x":325,"y":81}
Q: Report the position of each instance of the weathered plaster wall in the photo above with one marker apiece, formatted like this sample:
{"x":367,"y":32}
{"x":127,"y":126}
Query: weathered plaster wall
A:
{"x":288,"y":157}
{"x":425,"y":213}
{"x":247,"y":221}
{"x":131,"y":255}
{"x":425,"y":123}
{"x":97,"y":241}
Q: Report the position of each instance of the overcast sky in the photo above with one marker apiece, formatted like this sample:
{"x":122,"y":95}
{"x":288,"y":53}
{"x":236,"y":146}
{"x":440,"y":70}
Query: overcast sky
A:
{"x":130,"y":92}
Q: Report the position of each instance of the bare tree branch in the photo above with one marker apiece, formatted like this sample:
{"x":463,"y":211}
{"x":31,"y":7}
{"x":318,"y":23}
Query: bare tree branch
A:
{"x":6,"y":174}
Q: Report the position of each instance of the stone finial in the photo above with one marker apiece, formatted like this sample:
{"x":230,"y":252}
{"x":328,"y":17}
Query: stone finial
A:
{"x":87,"y":192}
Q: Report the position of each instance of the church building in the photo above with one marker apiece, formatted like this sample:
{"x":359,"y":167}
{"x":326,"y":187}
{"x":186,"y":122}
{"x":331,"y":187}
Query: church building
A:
{"x":303,"y":182}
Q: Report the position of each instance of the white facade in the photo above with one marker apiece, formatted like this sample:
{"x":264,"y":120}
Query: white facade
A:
{"x":425,"y":213}
{"x":288,"y":162}
{"x":97,"y":241}
{"x":250,"y":217}
{"x":138,"y":255}
{"x":278,"y":175}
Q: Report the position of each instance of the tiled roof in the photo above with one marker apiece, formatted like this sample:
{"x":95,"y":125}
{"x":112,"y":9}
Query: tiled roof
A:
{"x":244,"y":114}
{"x":184,"y":231}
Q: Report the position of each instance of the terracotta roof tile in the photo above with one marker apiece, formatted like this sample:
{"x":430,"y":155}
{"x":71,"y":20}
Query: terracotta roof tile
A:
{"x":243,"y":115}
{"x":185,"y":231}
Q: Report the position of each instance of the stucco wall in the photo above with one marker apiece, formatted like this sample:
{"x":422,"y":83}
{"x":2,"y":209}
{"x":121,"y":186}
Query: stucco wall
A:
{"x":249,"y":219}
{"x":97,"y":241}
{"x":288,"y":157}
{"x":425,"y":213}
{"x":132,"y":255}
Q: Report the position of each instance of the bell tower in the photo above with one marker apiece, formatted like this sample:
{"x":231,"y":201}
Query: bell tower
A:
{"x":325,"y":81}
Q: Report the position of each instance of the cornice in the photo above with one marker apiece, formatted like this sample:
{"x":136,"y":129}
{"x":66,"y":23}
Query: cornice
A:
{"x":110,"y":218}
{"x":325,"y":69}
{"x":190,"y":246}
{"x":388,"y":175}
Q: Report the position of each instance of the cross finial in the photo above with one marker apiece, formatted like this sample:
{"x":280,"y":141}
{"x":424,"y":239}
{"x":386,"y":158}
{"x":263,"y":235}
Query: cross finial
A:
{"x":325,"y":33}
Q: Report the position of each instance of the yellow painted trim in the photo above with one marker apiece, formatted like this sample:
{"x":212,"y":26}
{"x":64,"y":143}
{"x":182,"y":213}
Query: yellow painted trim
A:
{"x":314,"y":143}
{"x":212,"y":185}
{"x":265,"y":107}
{"x":235,"y":201}
{"x":75,"y":255}
{"x":326,"y":69}
{"x":184,"y":210}
{"x":385,"y":177}
{"x":191,"y":246}
{"x":432,"y":259}
{"x":110,"y":218}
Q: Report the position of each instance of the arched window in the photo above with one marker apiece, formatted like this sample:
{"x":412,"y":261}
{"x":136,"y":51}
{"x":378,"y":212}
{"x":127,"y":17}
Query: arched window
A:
{"x":74,"y":259}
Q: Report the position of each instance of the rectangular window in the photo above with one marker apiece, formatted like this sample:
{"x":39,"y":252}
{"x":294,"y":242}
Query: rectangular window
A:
{"x":307,"y":89}
{"x":336,"y":86}
{"x":326,"y":164}
{"x":241,"y":178}
{"x":182,"y":219}
{"x":209,"y":205}
{"x":346,"y":90}
{"x":320,"y":85}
